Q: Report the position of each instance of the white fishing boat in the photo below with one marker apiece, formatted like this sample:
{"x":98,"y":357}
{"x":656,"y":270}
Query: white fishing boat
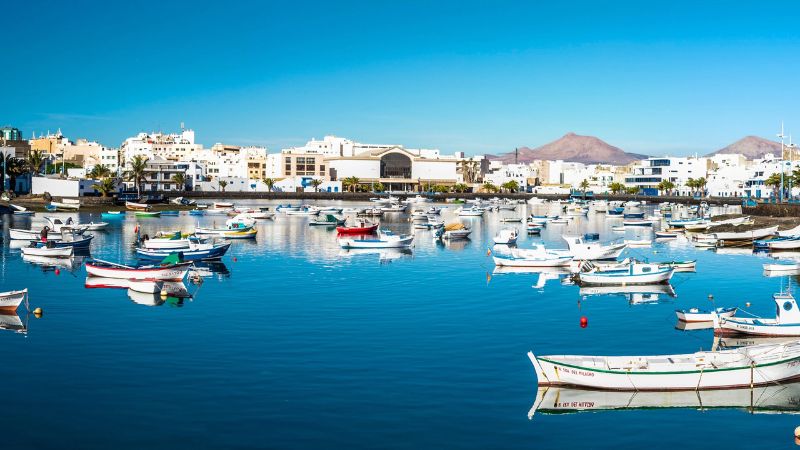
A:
{"x":696,"y":227}
{"x":782,"y":267}
{"x":750,"y":235}
{"x":385,"y":239}
{"x":758,"y":365}
{"x":680,"y":223}
{"x":689,"y":264}
{"x":50,"y":251}
{"x":560,"y":221}
{"x":786,"y":322}
{"x":792,"y":232}
{"x":20,"y":210}
{"x":536,"y":256}
{"x":580,"y":249}
{"x":635,"y":273}
{"x":303,"y":211}
{"x":223,"y":205}
{"x":67,"y":205}
{"x":473,"y":211}
{"x":10,"y":300}
{"x":506,"y":236}
{"x":783,"y":244}
{"x":666,"y":235}
{"x":618,"y":229}
{"x":702,"y":315}
{"x":162,"y":272}
{"x":511,"y":219}
{"x":164,"y":243}
{"x":453,"y":234}
{"x":420,"y":199}
{"x":638,"y":242}
{"x":394,"y":208}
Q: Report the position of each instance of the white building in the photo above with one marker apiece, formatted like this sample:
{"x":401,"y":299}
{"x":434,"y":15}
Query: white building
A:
{"x":649,"y":173}
{"x":171,"y":147}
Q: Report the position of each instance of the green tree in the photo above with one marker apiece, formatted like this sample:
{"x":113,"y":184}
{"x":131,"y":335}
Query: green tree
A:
{"x":105,"y":186}
{"x":180,"y":181}
{"x":378,"y":187}
{"x":460,"y":187}
{"x":13,"y":167}
{"x":489,"y":187}
{"x":315,"y":183}
{"x":701,"y":185}
{"x":222,"y":185}
{"x":99,"y":171}
{"x":633,"y":190}
{"x":510,"y":186}
{"x":616,"y":187}
{"x":691,"y":183}
{"x":136,"y":172}
{"x":270,"y":183}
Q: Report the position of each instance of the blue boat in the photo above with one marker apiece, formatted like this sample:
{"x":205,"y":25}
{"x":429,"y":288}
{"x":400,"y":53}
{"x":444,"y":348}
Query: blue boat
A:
{"x":763,"y":244}
{"x":639,"y":215}
{"x":113,"y":215}
{"x":197,"y":212}
{"x":51,"y":207}
{"x":170,"y":213}
{"x":189,"y":254}
{"x":616,"y":211}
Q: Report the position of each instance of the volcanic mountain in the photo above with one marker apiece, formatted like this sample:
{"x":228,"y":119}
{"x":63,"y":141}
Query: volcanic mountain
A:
{"x":575,"y":148}
{"x":753,"y":147}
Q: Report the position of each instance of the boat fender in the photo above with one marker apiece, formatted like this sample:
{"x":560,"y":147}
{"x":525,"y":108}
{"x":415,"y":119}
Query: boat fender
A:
{"x":146,"y":237}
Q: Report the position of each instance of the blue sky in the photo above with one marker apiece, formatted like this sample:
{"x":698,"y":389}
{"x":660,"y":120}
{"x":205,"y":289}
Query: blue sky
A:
{"x":479,"y":77}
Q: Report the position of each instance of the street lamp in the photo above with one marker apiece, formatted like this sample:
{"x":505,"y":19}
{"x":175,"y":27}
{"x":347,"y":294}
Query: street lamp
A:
{"x":782,"y":136}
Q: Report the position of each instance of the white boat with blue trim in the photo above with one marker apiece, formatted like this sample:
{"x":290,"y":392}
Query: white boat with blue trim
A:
{"x":581,"y":249}
{"x":752,"y":366}
{"x":786,"y":322}
{"x":635,"y":273}
{"x":536,"y":256}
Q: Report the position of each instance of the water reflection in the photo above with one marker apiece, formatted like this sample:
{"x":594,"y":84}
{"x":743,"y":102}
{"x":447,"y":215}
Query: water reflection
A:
{"x":636,"y":294}
{"x":50,"y":264}
{"x":780,"y":398}
{"x":172,"y":292}
{"x":384,"y":254}
{"x":11,"y":321}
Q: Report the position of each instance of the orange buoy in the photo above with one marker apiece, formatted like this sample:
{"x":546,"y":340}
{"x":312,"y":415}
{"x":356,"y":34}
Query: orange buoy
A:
{"x":584,"y":322}
{"x":488,"y":252}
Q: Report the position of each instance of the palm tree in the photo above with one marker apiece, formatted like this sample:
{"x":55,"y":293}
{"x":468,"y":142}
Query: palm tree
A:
{"x":378,"y":187}
{"x":616,"y":187}
{"x":489,"y":187}
{"x":691,"y":183}
{"x":105,"y":186}
{"x":351,"y":183}
{"x":633,"y":190}
{"x":774,"y":181}
{"x":584,"y":186}
{"x":270,"y":182}
{"x":180,"y":180}
{"x":136,"y":173}
{"x":222,"y":185}
{"x":510,"y":185}
{"x":35,"y":161}
{"x":460,"y":187}
{"x":701,"y":185}
{"x":315,"y":183}
{"x":99,"y":171}
{"x":14,"y":167}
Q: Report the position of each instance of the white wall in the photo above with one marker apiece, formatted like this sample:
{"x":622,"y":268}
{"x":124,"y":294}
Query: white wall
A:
{"x":360,"y":168}
{"x":58,"y":187}
{"x":434,"y":170}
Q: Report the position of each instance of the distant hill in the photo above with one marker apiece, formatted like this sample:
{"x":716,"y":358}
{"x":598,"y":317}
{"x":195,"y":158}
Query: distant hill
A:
{"x":753,"y":147}
{"x":575,"y":148}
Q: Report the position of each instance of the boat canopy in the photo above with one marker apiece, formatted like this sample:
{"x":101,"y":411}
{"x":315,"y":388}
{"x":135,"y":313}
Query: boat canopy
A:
{"x":172,"y":258}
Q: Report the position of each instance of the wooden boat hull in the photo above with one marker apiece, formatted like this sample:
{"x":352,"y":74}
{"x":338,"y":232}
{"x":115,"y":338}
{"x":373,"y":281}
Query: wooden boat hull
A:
{"x":137,"y":206}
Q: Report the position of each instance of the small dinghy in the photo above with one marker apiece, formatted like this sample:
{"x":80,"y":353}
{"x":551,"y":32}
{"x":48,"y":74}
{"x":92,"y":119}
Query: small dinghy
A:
{"x":786,"y":322}
{"x":137,"y":206}
{"x":511,"y":220}
{"x":666,"y":235}
{"x":95,"y":226}
{"x":581,"y":249}
{"x":47,"y":249}
{"x":453,"y":231}
{"x":637,"y":223}
{"x":111,"y":215}
{"x":757,"y":365}
{"x":328,"y":221}
{"x":689,"y":264}
{"x":506,"y":236}
{"x":196,"y":251}
{"x":147,"y":213}
{"x":473,"y":211}
{"x":20,"y":210}
{"x":701,"y":315}
{"x":638,"y":242}
{"x":385,"y":239}
{"x":169,"y":270}
{"x":358,"y":227}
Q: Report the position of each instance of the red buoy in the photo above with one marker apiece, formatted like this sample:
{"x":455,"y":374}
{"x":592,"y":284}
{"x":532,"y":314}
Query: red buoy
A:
{"x":58,"y":271}
{"x":584,"y":322}
{"x":234,"y":259}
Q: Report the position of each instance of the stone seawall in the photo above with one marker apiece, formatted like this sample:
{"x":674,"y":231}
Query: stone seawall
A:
{"x":773,"y":210}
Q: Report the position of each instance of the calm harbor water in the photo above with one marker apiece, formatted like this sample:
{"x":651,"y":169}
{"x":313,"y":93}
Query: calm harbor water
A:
{"x":290,"y":342}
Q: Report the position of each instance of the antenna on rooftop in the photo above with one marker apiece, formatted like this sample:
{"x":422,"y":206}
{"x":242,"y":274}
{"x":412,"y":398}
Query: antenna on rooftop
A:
{"x":516,"y":155}
{"x":182,"y":127}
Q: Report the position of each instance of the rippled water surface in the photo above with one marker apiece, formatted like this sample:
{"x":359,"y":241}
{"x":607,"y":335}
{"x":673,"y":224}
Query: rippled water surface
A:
{"x":290,"y":342}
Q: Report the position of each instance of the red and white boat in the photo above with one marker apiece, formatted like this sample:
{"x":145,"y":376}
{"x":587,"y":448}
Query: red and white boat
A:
{"x":137,"y":206}
{"x":9,"y":301}
{"x":162,"y":272}
{"x":360,"y":227}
